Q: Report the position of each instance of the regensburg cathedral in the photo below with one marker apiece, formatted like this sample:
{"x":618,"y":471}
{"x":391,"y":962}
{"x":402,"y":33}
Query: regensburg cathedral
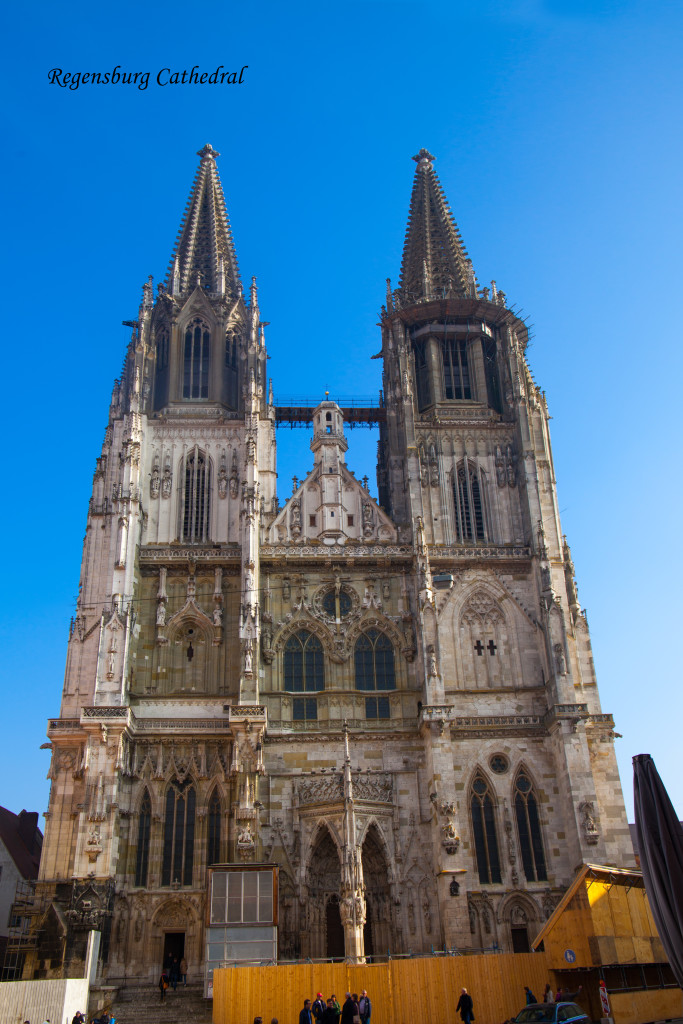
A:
{"x":379,"y":718}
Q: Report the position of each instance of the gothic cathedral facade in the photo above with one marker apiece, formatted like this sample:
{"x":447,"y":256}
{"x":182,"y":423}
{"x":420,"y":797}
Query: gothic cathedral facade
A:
{"x":394,"y":702}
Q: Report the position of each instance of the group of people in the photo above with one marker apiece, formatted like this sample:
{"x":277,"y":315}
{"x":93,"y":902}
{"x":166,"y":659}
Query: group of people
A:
{"x":559,"y":997}
{"x":174,"y":971}
{"x":354,"y":1010}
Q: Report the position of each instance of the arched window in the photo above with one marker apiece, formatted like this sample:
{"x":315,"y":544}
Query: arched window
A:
{"x":484,"y":829}
{"x":470,"y":521}
{"x":374,"y":656}
{"x":304,"y":668}
{"x":213,"y":848}
{"x":529,"y":830}
{"x":179,"y":834}
{"x":456,"y":373}
{"x":196,"y":360}
{"x":142,"y":854}
{"x":196,"y":498}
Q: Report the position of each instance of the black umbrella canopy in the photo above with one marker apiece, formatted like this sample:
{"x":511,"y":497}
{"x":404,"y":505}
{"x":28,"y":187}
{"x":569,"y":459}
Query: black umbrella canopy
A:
{"x":660,"y":838}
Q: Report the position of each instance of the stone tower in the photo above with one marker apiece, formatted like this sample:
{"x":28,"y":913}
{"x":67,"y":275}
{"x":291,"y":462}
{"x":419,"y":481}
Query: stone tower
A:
{"x":393,"y":702}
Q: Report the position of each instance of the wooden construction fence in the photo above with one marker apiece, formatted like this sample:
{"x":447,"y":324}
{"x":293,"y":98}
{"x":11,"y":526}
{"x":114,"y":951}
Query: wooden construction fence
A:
{"x":423,"y":990}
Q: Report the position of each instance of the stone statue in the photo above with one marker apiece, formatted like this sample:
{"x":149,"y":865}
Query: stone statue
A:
{"x":500,"y":467}
{"x":367,"y":519}
{"x":222,"y":479}
{"x":155,"y":484}
{"x":295,"y":517}
{"x":167,"y":481}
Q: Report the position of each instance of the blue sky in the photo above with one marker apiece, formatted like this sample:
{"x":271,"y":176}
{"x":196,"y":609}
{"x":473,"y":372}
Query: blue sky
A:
{"x":556,"y":127}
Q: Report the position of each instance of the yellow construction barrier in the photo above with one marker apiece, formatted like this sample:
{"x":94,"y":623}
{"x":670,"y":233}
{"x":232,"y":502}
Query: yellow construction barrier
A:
{"x":423,"y":990}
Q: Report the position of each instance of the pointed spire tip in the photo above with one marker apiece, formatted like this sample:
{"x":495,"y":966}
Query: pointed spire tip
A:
{"x":423,"y":159}
{"x":209,"y":151}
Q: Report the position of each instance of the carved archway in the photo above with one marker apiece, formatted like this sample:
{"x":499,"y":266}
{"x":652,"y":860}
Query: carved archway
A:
{"x":324,"y":883}
{"x":376,"y":876}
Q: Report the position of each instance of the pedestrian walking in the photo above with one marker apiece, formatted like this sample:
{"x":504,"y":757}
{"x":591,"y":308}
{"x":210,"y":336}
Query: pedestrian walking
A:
{"x":548,"y":996}
{"x":530,"y":997}
{"x":465,"y":1006}
{"x":163,"y":985}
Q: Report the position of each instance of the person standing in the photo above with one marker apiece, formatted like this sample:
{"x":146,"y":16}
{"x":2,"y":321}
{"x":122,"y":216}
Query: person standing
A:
{"x":530,"y":997}
{"x":330,"y":1014}
{"x":348,"y":1011}
{"x":174,"y":972}
{"x":548,"y":996}
{"x":364,"y":1007}
{"x":163,"y":985}
{"x":465,"y":1006}
{"x":305,"y":1015}
{"x":183,"y":972}
{"x":335,"y":1003}
{"x":318,"y":1008}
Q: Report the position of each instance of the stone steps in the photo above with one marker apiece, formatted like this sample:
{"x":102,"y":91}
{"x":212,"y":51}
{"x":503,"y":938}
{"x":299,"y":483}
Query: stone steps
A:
{"x":141,"y":1005}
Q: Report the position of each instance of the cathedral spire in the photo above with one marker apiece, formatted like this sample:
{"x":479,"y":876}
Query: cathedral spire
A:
{"x":205,"y":249}
{"x":435,"y":261}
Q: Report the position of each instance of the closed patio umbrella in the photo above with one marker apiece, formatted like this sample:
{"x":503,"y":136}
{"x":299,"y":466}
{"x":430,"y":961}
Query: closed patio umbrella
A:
{"x":660,"y":839}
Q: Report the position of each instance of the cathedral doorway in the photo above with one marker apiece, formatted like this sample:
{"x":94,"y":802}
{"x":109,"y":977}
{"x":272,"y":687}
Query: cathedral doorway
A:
{"x":334,"y":930}
{"x":174,"y":946}
{"x":520,"y":940}
{"x":377,"y":932}
{"x":325,"y":932}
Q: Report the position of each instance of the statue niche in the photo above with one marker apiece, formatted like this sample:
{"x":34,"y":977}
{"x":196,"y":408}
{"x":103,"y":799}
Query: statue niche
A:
{"x":189,"y":656}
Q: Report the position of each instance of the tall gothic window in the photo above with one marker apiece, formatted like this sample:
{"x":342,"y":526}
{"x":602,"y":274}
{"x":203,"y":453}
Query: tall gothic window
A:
{"x":144,"y":826}
{"x":230,"y":349}
{"x":304,"y":668}
{"x":491,"y":373}
{"x":529,"y":830}
{"x":196,"y":360}
{"x":179,"y":834}
{"x":456,"y":373}
{"x":196,"y":498}
{"x":213,"y":849}
{"x":422,"y":375}
{"x":374,"y":657}
{"x":470,"y":520}
{"x":162,"y":349}
{"x":484,"y":829}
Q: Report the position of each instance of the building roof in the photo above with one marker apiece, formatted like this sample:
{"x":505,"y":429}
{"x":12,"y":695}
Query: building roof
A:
{"x":618,"y":876}
{"x":23,"y":840}
{"x":205,"y":245}
{"x":435,"y":261}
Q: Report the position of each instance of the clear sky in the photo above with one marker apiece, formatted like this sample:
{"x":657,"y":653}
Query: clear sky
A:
{"x":556,"y":125}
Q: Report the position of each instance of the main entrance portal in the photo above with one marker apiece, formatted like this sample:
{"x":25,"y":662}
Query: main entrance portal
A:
{"x":174,"y":946}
